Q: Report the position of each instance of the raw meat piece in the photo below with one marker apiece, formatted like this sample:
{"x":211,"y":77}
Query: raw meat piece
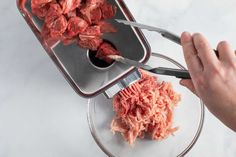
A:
{"x":69,"y":5}
{"x":47,"y":36}
{"x":146,"y":107}
{"x":39,"y":3}
{"x":108,"y":11}
{"x":40,"y":11}
{"x":86,"y":13}
{"x":88,"y":9}
{"x":106,"y":27}
{"x":55,"y":21}
{"x":76,"y":20}
{"x":92,"y":31}
{"x":71,"y":14}
{"x":45,"y":32}
{"x":96,"y":15}
{"x":89,"y":42}
{"x":68,"y":41}
{"x":58,"y":27}
{"x":106,"y":49}
{"x":76,"y":25}
{"x":53,"y":13}
{"x":95,"y":2}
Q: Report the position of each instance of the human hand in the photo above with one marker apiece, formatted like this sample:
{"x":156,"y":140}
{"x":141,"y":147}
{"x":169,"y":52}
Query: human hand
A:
{"x":213,"y":79}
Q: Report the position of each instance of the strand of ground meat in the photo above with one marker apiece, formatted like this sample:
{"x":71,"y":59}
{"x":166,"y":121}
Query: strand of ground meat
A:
{"x":146,"y":107}
{"x":82,"y":21}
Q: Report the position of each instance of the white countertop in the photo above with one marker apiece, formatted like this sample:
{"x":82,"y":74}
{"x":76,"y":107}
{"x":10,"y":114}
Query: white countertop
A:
{"x":40,"y":114}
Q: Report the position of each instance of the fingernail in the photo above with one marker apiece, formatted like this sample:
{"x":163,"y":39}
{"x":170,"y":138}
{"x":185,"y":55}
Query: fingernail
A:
{"x":186,"y":37}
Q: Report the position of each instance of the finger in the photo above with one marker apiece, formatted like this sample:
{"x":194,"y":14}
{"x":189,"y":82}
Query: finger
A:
{"x":226,"y":53}
{"x":188,"y":84}
{"x":190,"y":54}
{"x":205,"y":51}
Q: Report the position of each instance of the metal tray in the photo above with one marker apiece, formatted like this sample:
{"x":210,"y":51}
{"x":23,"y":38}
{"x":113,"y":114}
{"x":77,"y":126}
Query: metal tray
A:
{"x":86,"y":79}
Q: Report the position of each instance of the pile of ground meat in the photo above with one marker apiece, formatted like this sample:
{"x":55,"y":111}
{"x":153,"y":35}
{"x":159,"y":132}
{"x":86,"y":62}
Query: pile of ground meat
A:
{"x":145,"y":108}
{"x":81,"y":21}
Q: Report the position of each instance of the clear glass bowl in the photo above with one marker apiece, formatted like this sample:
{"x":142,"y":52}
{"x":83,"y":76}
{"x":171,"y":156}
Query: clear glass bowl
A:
{"x":188,"y":115}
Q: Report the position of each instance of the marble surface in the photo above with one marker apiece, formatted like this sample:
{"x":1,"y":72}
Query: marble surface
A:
{"x":40,"y":114}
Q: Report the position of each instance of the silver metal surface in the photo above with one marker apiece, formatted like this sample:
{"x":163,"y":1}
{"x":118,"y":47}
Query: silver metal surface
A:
{"x":166,"y":34}
{"x":130,"y":62}
{"x":72,"y":61}
{"x":124,"y":83}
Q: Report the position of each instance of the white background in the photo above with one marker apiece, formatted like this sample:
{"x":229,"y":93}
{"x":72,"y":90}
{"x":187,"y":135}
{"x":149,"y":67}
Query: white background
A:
{"x":40,"y":114}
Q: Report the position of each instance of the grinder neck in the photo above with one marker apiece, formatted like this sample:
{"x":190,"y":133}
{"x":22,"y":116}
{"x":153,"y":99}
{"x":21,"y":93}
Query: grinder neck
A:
{"x":122,"y":84}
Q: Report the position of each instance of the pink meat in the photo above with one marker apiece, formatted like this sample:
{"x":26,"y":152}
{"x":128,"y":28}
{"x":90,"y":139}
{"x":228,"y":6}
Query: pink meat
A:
{"x":38,"y":3}
{"x":71,"y":14}
{"x":58,"y":27}
{"x":92,"y":31}
{"x":89,"y":9}
{"x":145,"y":108}
{"x":69,"y":5}
{"x":108,"y":11}
{"x":76,"y":20}
{"x":76,"y":25}
{"x":53,"y":14}
{"x":106,"y":27}
{"x":89,"y":42}
{"x":96,"y":15}
{"x":106,"y":49}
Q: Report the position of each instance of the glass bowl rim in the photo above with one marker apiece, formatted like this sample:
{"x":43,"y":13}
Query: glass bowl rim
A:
{"x":184,"y":152}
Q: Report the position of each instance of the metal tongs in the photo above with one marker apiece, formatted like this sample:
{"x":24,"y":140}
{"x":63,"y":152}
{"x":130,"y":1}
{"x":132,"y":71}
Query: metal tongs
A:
{"x":165,"y":33}
{"x":179,"y":73}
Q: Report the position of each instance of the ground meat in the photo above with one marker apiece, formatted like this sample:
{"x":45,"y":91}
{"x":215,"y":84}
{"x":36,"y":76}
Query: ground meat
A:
{"x":105,"y":50}
{"x":76,"y":25}
{"x":145,"y":108}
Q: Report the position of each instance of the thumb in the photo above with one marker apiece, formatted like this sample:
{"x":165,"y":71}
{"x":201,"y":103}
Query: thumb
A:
{"x":188,"y":84}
